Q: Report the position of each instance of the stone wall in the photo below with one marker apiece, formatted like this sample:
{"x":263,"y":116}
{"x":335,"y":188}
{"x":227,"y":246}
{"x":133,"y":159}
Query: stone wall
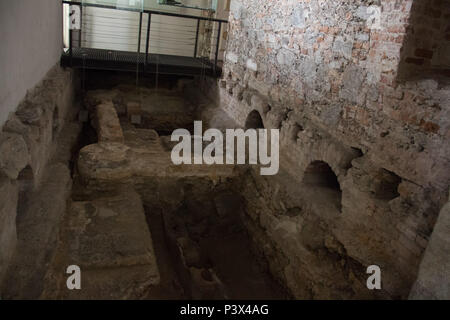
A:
{"x":27,"y":141}
{"x":326,"y":73}
{"x":434,"y":273}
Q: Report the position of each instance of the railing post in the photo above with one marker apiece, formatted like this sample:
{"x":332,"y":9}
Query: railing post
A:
{"x":81,"y":26}
{"x":140,"y":33}
{"x":196,"y":38}
{"x":217,"y":47}
{"x":70,"y":46}
{"x":147,"y":44}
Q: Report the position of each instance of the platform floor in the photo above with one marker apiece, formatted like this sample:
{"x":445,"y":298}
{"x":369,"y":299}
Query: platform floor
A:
{"x":101,"y":59}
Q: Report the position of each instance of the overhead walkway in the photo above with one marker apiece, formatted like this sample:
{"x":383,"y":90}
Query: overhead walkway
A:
{"x":105,"y":36}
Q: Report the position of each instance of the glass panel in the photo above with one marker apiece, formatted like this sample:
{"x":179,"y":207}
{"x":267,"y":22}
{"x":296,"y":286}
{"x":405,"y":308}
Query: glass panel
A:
{"x":112,"y":29}
{"x":192,"y":4}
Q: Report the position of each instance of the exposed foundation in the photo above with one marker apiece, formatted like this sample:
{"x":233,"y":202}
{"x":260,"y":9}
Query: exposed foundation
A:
{"x":122,"y":178}
{"x":86,"y":175}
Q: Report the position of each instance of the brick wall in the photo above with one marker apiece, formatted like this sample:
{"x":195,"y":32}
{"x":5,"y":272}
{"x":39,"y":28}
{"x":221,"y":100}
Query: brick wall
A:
{"x":326,"y":73}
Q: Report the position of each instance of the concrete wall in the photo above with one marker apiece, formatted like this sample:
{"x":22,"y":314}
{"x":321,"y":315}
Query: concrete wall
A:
{"x":31,"y":43}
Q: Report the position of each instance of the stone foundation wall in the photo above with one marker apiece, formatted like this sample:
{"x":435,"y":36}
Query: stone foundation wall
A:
{"x":27,"y":142}
{"x":327,"y":75}
{"x":433,"y":279}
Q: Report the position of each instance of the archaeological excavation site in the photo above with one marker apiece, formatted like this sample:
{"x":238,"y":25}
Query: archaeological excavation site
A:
{"x":225,"y":150}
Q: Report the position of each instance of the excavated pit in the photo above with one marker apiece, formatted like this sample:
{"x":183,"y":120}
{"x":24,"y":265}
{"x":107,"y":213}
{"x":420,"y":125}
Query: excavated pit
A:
{"x":203,"y":250}
{"x":101,"y":192}
{"x":194,"y":244}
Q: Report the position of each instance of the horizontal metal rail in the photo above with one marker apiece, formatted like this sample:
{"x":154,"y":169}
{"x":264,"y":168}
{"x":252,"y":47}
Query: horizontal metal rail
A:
{"x":179,"y":15}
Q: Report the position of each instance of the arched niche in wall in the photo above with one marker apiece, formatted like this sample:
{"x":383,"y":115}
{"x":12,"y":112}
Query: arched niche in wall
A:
{"x":322,"y":185}
{"x":386,"y":185}
{"x":254,"y":121}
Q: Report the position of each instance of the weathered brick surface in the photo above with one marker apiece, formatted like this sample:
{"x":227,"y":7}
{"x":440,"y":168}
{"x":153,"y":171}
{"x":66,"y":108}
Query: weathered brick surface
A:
{"x":327,"y":74}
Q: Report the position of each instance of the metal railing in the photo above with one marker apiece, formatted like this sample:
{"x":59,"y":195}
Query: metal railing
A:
{"x":189,"y":36}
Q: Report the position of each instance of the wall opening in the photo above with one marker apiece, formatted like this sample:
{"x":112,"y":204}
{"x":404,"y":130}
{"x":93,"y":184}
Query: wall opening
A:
{"x":322,"y":182}
{"x":387,"y":184}
{"x":254,"y":121}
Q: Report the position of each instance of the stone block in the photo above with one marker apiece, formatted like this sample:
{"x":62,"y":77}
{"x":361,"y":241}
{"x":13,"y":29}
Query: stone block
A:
{"x":29,"y":113}
{"x":115,"y":263}
{"x":133,"y":108}
{"x":353,"y":79}
{"x":14,"y":154}
{"x":136,"y":119}
{"x":101,"y":230}
{"x":14,"y":125}
{"x":108,"y":124}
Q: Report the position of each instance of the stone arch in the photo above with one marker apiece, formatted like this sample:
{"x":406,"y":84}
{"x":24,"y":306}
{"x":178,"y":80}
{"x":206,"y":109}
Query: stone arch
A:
{"x":323,"y":184}
{"x":254,"y":121}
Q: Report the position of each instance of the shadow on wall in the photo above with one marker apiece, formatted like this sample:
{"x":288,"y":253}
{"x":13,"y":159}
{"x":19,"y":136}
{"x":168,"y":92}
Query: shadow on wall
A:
{"x":426,"y":48}
{"x":26,"y":186}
